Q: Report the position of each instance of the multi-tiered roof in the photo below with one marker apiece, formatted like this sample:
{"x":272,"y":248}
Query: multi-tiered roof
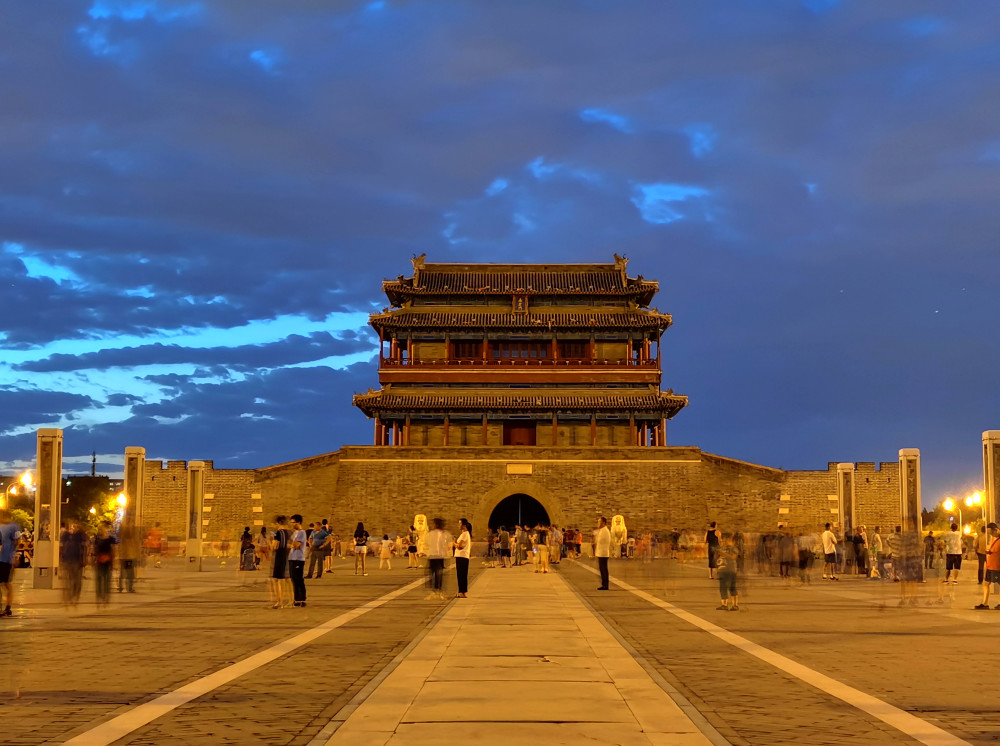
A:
{"x":521,"y":317}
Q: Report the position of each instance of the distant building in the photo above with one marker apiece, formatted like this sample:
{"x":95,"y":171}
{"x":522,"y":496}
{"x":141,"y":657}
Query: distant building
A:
{"x":513,"y":393}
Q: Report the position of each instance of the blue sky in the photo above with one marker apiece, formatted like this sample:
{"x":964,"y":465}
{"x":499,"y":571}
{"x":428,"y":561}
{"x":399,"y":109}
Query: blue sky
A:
{"x":199,"y":200}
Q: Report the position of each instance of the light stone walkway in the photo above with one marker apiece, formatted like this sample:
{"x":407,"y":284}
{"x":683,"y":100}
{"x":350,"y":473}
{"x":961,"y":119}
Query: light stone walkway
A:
{"x":521,"y":657}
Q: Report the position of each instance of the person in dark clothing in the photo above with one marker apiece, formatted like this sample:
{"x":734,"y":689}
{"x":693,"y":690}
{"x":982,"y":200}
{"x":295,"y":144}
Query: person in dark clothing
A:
{"x":104,"y":559}
{"x":73,"y":547}
{"x":712,"y":539}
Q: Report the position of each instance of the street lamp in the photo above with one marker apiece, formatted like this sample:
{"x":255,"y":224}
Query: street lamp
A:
{"x":976,"y":500}
{"x":949,"y":504}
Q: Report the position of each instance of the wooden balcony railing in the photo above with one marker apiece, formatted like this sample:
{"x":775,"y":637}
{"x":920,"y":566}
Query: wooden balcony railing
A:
{"x":516,"y":362}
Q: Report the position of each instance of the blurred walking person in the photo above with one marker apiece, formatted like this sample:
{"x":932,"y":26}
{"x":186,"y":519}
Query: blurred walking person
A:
{"x":602,"y":550}
{"x":104,"y":560}
{"x":463,"y":551}
{"x":10,"y":533}
{"x":542,"y":547}
{"x":437,"y":547}
{"x":73,"y":548}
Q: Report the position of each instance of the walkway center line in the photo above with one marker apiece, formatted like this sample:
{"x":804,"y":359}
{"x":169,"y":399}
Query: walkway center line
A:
{"x":120,"y":726}
{"x":911,"y":725}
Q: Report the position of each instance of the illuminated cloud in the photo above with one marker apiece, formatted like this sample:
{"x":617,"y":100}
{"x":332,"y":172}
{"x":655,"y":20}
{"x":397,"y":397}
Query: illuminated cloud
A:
{"x":703,"y":138}
{"x":603,"y":116}
{"x":267,"y":59}
{"x":660,"y":202}
{"x":497,"y":186}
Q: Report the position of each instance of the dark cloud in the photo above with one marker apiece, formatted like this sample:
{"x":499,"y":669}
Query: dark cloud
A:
{"x":292,"y":350}
{"x":177,"y":169}
{"x":19,"y":408}
{"x":262,"y":418}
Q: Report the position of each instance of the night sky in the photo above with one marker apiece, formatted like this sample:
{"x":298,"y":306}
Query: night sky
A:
{"x":199,"y":201}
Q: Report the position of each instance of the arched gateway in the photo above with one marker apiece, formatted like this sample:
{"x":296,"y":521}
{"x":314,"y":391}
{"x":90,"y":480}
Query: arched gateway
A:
{"x":518,"y":510}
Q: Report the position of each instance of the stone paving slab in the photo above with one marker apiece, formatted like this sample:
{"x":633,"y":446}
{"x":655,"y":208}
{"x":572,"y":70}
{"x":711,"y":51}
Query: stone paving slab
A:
{"x":920,"y":659}
{"x":465,"y":679}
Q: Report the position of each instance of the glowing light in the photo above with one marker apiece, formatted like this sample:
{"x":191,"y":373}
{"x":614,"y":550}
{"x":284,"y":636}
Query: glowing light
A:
{"x":967,"y":529}
{"x":93,"y":511}
{"x":26,"y":479}
{"x":121,"y":499}
{"x":948,"y":504}
{"x":974,"y":499}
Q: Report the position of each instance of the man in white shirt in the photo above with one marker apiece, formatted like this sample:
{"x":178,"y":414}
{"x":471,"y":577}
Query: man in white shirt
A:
{"x":953,"y":554}
{"x":602,"y":550}
{"x":829,"y":554}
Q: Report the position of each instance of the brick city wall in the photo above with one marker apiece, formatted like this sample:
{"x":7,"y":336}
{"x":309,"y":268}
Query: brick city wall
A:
{"x":654,"y":488}
{"x":228,"y":507}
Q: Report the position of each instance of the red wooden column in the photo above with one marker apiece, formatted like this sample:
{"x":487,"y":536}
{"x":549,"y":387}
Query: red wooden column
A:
{"x":485,"y":430}
{"x":663,"y":431}
{"x":447,"y":423}
{"x":631,"y":429}
{"x":378,"y":427}
{"x":555,"y":429}
{"x":406,"y":433}
{"x":395,"y":432}
{"x":593,"y":429}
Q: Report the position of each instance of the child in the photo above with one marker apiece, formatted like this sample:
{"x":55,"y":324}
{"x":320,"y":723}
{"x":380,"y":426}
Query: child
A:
{"x":385,"y":555}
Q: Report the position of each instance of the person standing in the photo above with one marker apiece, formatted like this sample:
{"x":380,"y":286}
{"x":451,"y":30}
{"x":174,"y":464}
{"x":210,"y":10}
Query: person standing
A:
{"x":9,"y":536}
{"x":463,"y":552}
{"x":829,"y":540}
{"x":981,"y":545}
{"x":542,"y":546}
{"x":104,"y":559}
{"x":297,"y":560}
{"x":411,"y":548}
{"x":992,"y":576}
{"x":602,"y":550}
{"x":877,"y":554}
{"x":279,"y":562}
{"x":712,"y":540}
{"x":385,"y":553}
{"x":360,"y":548}
{"x":436,"y":542}
{"x":952,"y":554}
{"x":319,"y":541}
{"x":247,"y":550}
{"x":503,"y":547}
{"x":929,"y":550}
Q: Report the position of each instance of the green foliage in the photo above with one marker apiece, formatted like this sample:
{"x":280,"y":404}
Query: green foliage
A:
{"x":23,"y":519}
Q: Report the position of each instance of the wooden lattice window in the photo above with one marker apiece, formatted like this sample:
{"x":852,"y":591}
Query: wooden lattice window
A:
{"x":467,"y":349}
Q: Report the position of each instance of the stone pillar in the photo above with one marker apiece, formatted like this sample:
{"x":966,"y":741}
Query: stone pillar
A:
{"x":195,"y":512}
{"x":135,"y":469}
{"x":48,"y":501}
{"x":845,"y":499}
{"x":909,"y":490}
{"x":991,"y":475}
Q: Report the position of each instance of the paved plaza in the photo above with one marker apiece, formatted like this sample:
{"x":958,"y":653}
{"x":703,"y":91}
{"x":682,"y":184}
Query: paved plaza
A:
{"x":200,"y":658}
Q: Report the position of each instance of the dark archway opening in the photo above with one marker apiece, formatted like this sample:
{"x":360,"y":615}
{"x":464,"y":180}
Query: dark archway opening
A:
{"x":518,"y":510}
